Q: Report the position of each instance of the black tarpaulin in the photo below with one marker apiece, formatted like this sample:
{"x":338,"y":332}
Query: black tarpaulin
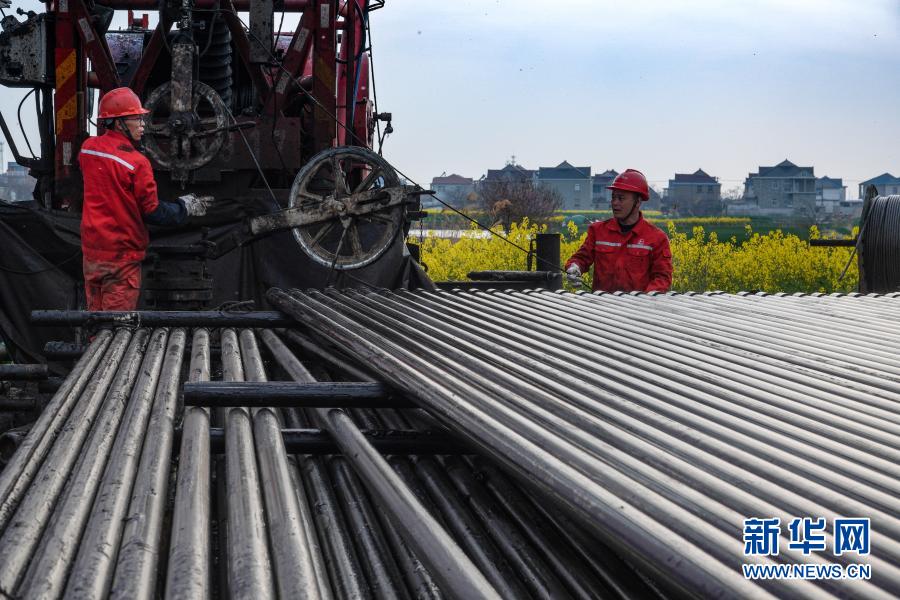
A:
{"x":32,"y":241}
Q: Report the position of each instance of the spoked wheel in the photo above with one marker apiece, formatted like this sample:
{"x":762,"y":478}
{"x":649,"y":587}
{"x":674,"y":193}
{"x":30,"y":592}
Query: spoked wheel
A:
{"x":182,"y":142}
{"x":345,"y":182}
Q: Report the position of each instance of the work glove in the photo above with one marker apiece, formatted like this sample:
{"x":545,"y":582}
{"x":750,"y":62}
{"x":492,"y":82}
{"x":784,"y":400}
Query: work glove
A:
{"x":195,"y":205}
{"x":573,"y":274}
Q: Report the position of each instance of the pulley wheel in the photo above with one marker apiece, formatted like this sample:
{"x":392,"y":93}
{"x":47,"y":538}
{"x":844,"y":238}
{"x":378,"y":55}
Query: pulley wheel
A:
{"x":187,"y":141}
{"x":350,"y":240}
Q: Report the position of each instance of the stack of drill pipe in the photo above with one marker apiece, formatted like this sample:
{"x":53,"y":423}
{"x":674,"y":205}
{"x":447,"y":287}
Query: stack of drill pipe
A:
{"x":516,"y":566}
{"x":127,"y":475}
{"x":88,"y":514}
{"x":659,"y":422}
{"x":85,"y":518}
{"x":451,"y":567}
{"x":21,"y":469}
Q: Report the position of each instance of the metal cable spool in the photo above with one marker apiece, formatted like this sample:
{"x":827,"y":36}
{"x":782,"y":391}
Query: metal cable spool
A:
{"x":881,"y":244}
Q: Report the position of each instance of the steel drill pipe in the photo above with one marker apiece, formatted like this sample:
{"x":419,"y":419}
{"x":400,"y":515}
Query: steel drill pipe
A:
{"x":187,"y":575}
{"x":447,"y":350}
{"x":296,"y":370}
{"x":249,"y":563}
{"x":701,"y":458}
{"x":346,"y":566}
{"x":712,"y":349}
{"x":469,"y":529}
{"x":450,"y":566}
{"x":793,"y":322}
{"x":63,"y":350}
{"x":138,"y":558}
{"x":23,"y":372}
{"x":22,"y":534}
{"x":49,"y":566}
{"x":829,"y":394}
{"x":702,"y":572}
{"x":348,"y":580}
{"x":20,"y":471}
{"x":480,"y":426}
{"x":863,"y":355}
{"x":318,"y":442}
{"x":295,"y":574}
{"x":161,"y":318}
{"x":532,"y":276}
{"x":330,"y":394}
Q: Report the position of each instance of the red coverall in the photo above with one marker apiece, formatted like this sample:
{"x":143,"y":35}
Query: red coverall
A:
{"x":119,"y":191}
{"x":639,"y":260}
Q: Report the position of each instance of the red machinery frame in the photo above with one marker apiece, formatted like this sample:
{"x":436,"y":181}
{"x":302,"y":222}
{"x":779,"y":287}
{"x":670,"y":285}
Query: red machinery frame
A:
{"x":324,"y":55}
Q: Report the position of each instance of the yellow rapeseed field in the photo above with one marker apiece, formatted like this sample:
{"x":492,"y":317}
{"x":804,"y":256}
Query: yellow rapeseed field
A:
{"x":772,"y":262}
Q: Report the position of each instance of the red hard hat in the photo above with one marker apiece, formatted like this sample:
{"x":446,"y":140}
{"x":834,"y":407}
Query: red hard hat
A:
{"x":631,"y":180}
{"x":120,"y":102}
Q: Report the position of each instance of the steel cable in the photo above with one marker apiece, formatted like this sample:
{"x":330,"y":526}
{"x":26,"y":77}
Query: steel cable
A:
{"x":881,"y":244}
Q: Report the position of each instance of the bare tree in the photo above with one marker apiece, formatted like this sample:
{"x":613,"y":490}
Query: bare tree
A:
{"x":733,"y":194}
{"x":809,"y":211}
{"x":511,"y":201}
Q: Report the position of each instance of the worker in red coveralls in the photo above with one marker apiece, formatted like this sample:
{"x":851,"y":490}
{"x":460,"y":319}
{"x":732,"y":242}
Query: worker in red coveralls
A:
{"x":628,"y":253}
{"x":119,"y":198}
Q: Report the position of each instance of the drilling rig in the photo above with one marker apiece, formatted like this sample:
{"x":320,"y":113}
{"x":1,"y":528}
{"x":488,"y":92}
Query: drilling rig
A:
{"x":278,"y":126}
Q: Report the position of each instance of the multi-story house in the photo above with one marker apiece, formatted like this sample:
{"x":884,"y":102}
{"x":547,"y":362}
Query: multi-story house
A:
{"x":784,"y":189}
{"x":510,"y":173}
{"x":454,"y":189}
{"x":600,"y":196}
{"x":572,"y":183}
{"x":694,"y":194}
{"x":886,"y":184}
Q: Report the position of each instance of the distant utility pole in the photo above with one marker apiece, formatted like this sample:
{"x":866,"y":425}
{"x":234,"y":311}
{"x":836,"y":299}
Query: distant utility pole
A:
{"x":2,"y":161}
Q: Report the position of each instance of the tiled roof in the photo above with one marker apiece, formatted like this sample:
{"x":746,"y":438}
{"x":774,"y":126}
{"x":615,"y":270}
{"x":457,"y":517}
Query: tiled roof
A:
{"x":698,"y":176}
{"x":784,"y":169}
{"x":453,"y":179}
{"x":564,"y":170}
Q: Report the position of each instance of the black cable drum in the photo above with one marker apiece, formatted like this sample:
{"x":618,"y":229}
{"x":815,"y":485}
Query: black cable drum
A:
{"x":881,"y":244}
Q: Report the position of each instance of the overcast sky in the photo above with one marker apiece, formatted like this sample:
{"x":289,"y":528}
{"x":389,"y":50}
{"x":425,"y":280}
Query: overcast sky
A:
{"x":664,"y":86}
